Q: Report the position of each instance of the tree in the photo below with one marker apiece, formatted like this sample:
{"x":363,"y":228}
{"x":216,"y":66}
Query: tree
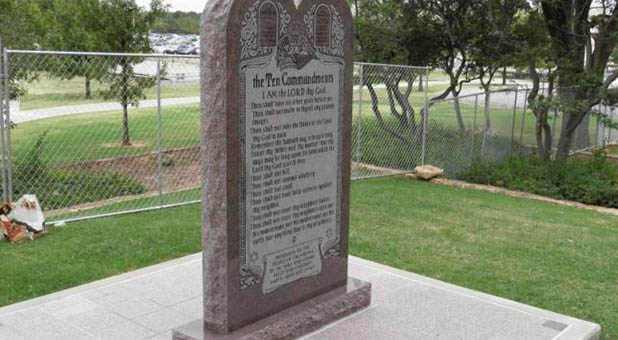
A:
{"x":582,"y":45}
{"x":76,"y":25}
{"x":22,"y":23}
{"x":454,"y":28}
{"x":533,"y":51}
{"x":492,"y":42}
{"x":395,"y":32}
{"x":178,"y":22}
{"x":125,"y":28}
{"x":23,"y":27}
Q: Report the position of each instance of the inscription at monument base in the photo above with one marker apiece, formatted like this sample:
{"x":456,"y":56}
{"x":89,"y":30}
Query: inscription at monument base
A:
{"x":276,"y":125}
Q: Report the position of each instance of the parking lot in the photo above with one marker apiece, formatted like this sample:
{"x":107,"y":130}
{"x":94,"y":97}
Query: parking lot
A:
{"x":169,"y":43}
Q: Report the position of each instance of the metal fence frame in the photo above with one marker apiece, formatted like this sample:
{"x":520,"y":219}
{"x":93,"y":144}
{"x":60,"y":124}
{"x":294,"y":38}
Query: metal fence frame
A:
{"x":5,"y":122}
{"x":363,"y":71}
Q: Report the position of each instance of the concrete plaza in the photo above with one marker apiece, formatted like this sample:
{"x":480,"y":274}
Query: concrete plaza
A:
{"x":149,"y":303}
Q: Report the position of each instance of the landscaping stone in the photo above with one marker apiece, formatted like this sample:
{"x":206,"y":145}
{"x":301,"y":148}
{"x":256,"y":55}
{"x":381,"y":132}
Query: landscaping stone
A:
{"x":428,"y":172}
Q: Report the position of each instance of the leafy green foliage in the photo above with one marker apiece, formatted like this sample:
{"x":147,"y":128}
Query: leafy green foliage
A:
{"x":126,"y":85}
{"x":395,"y":32}
{"x":23,"y":23}
{"x":587,"y":181}
{"x":178,"y":22}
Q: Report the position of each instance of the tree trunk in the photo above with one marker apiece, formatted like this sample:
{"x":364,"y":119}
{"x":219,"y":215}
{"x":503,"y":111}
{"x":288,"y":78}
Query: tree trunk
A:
{"x":543,"y":136}
{"x":460,"y":122}
{"x":88,"y":90}
{"x":504,"y":76}
{"x":421,"y":85}
{"x":548,"y":139}
{"x":564,"y":144}
{"x":126,"y":137}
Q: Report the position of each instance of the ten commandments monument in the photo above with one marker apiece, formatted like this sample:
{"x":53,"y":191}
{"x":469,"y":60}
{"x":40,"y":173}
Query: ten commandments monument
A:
{"x":276,"y":123}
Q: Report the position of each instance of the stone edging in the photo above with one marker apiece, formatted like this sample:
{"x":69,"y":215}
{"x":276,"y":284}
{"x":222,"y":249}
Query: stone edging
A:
{"x":520,"y":194}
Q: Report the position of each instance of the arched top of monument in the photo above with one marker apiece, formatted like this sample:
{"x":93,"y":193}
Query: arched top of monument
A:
{"x":256,"y":27}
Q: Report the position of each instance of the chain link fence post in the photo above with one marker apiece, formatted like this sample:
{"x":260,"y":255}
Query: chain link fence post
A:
{"x":521,"y":142}
{"x":596,"y":134}
{"x":424,"y":138}
{"x":359,"y":118}
{"x":474,"y":128}
{"x":426,"y":116}
{"x":602,"y":127}
{"x":513,"y":120}
{"x":611,"y":122}
{"x":159,"y":134}
{"x":3,"y":105}
{"x":487,"y":122}
{"x":6,"y":126}
{"x":523,"y":126}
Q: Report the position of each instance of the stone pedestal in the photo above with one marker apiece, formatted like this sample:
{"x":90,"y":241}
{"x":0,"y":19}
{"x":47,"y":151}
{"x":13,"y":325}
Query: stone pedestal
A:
{"x":294,"y":322}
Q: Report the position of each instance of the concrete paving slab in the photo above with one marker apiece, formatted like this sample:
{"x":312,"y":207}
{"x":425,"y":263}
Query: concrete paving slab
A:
{"x":148,"y":303}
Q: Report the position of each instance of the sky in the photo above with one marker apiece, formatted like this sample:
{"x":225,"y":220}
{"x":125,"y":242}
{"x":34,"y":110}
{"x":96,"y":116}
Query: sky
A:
{"x":180,"y":5}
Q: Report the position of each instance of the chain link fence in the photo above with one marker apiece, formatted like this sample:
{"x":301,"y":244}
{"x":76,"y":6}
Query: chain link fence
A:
{"x":99,"y":134}
{"x":389,"y":120}
{"x":493,"y":125}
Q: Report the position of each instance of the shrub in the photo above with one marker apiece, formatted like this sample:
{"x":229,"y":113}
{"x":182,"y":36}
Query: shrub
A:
{"x":592,"y":181}
{"x":58,"y":188}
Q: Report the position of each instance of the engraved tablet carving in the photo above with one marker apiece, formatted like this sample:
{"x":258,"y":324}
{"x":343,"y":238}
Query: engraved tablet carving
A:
{"x":268,"y":25}
{"x":291,"y":121}
{"x":322,"y":26}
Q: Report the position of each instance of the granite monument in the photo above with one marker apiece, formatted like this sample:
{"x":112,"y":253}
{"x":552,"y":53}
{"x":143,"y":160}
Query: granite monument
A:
{"x":276,"y":124}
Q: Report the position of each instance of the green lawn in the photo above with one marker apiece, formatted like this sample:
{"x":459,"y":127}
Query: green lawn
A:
{"x":85,"y":137}
{"x":553,"y":257}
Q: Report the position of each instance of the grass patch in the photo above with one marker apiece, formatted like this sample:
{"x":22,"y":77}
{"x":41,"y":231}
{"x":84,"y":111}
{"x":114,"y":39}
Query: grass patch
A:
{"x":553,"y":257}
{"x":557,"y":258}
{"x":87,"y":137}
{"x":134,"y":204}
{"x":96,"y":249}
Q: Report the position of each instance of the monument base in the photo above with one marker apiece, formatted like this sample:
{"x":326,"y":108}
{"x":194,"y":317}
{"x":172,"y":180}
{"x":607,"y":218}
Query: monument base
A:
{"x":293,"y":322}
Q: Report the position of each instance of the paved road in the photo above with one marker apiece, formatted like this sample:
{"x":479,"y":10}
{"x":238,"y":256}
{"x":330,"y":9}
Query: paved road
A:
{"x":497,"y":99}
{"x":32,"y":115}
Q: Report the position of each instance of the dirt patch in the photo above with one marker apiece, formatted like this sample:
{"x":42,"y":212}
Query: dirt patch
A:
{"x":180,"y":168}
{"x":134,"y":144}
